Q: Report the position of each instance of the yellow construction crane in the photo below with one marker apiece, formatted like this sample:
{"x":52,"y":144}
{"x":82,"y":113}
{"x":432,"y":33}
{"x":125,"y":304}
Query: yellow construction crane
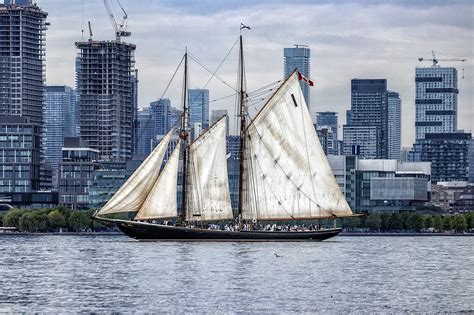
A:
{"x":120,"y":29}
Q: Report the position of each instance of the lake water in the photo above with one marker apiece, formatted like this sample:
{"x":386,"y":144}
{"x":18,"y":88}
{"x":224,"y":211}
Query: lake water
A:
{"x":345,"y":274}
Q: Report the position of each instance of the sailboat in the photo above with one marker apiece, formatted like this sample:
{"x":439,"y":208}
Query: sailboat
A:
{"x":284,"y":177}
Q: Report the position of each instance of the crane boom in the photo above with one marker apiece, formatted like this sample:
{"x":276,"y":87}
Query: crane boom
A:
{"x":120,"y":29}
{"x":436,"y":60}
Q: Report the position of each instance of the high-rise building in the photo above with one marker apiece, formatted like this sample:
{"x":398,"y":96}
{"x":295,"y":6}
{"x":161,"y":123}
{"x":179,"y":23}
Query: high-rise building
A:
{"x":22,"y":67}
{"x":175,"y":118}
{"x":76,"y":173}
{"x":19,"y":155}
{"x":298,"y":57}
{"x":198,"y":101}
{"x":471,"y":161}
{"x":329,"y":119}
{"x":328,"y":140}
{"x":448,"y":154}
{"x":217,"y":114}
{"x":366,"y":129}
{"x":106,"y":88}
{"x":144,"y":132}
{"x":436,"y":100}
{"x":160,"y":115}
{"x":394,"y":128}
{"x":60,"y":118}
{"x":135,"y":111}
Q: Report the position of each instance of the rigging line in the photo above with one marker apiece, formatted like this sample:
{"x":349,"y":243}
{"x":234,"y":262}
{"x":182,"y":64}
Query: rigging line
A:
{"x":284,"y":172}
{"x":213,"y":74}
{"x":264,"y":87}
{"x":147,"y":125}
{"x":219,"y":99}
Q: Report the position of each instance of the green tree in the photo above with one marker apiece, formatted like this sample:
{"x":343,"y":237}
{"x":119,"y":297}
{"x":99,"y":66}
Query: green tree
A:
{"x":77,"y":221}
{"x":469,"y":220}
{"x":405,"y":218}
{"x":394,"y":222}
{"x":459,"y":223}
{"x":56,"y":219}
{"x":33,"y":221}
{"x":447,"y":223}
{"x":438,"y":223}
{"x":12,"y":218}
{"x":385,"y":222}
{"x":428,"y":221}
{"x":416,"y":222}
{"x":373,"y":222}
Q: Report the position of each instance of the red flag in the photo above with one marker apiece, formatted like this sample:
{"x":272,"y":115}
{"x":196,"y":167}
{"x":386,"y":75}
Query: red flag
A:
{"x":302,"y":77}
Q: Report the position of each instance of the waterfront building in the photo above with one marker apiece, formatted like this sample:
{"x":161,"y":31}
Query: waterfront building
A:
{"x":60,"y":118}
{"x":329,"y":119}
{"x":106,"y":88}
{"x":453,"y":196}
{"x":436,"y":100}
{"x":108,"y":179}
{"x":198,"y":101}
{"x":394,"y":125}
{"x":382,"y":185}
{"x":366,"y":132}
{"x":160,"y":112}
{"x":298,"y":57}
{"x":471,"y":161}
{"x":448,"y":154}
{"x":22,"y":66}
{"x":76,"y":173}
{"x":19,"y":155}
{"x":216,"y":114}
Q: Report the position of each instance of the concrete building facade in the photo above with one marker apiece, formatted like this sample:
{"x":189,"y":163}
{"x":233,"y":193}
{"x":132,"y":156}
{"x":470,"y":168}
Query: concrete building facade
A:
{"x":106,"y":88}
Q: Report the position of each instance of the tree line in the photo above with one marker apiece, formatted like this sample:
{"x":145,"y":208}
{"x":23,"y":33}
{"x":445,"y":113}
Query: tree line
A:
{"x":413,"y":222}
{"x":51,"y":220}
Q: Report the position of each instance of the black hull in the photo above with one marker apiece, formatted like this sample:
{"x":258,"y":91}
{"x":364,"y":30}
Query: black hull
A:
{"x":156,"y":232}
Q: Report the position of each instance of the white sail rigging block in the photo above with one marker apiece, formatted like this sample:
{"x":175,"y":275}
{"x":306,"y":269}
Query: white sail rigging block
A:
{"x":162,"y":202}
{"x":134,"y":191}
{"x":208,"y":197}
{"x":287,"y":173}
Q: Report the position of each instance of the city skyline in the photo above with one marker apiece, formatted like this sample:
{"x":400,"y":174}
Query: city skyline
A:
{"x":340,"y":51}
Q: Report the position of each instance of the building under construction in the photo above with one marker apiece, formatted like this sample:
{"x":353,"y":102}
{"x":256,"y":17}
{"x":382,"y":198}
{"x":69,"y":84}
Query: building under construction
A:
{"x":105,"y":72}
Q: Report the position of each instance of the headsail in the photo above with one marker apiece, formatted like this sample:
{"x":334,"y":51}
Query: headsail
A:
{"x":208,"y":195}
{"x":162,"y":199}
{"x":134,"y":191}
{"x":287,"y":173}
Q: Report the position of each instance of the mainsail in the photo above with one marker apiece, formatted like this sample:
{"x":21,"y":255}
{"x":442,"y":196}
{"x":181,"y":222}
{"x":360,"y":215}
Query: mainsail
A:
{"x":134,"y":191}
{"x":208,"y":197}
{"x":162,"y":202}
{"x":287,"y":174}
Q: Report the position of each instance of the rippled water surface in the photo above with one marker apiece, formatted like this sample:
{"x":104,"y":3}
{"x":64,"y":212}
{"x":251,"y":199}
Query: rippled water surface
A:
{"x":117,"y":274}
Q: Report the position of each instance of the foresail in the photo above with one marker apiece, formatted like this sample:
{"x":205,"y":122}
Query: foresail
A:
{"x":133,"y":192}
{"x":208,"y":197}
{"x":161,"y":201}
{"x":287,"y":173}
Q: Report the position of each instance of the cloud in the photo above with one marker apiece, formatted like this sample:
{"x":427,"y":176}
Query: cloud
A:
{"x":348,"y":39}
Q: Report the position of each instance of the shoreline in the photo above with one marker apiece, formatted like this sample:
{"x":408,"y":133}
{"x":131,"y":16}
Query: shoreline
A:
{"x":349,"y":234}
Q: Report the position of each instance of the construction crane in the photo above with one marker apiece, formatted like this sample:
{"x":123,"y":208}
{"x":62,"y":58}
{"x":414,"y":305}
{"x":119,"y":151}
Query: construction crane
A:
{"x":436,"y":60}
{"x":120,"y":29}
{"x":90,"y":30}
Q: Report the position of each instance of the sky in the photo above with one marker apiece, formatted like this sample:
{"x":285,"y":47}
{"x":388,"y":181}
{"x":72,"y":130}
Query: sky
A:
{"x":348,"y":39}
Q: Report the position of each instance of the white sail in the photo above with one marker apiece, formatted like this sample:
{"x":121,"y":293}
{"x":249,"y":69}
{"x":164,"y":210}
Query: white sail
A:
{"x":208,"y":197}
{"x":287,"y":173}
{"x":134,"y":191}
{"x":162,"y":202}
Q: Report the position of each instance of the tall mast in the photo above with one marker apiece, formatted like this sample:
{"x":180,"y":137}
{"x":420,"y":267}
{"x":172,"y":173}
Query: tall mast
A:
{"x":184,"y":135}
{"x":242,"y":114}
